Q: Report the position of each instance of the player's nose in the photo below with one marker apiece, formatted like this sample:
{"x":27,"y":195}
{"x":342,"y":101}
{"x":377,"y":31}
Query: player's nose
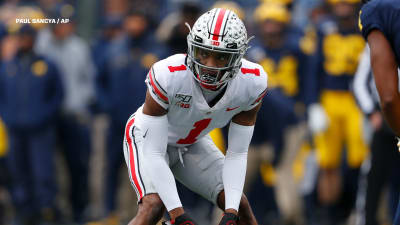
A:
{"x":211,"y":62}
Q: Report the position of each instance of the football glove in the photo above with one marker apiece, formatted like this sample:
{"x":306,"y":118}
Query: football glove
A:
{"x":317,"y":118}
{"x":398,"y":143}
{"x":183,"y":219}
{"x":229,"y":219}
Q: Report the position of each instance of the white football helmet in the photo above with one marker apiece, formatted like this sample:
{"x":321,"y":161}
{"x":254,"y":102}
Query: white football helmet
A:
{"x":219,"y":31}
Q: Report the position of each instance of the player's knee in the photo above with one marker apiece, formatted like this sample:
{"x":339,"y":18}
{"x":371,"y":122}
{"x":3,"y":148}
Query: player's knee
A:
{"x":152,"y":206}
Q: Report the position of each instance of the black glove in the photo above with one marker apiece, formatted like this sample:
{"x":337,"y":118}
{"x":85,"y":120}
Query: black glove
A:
{"x":183,"y":219}
{"x":229,"y":219}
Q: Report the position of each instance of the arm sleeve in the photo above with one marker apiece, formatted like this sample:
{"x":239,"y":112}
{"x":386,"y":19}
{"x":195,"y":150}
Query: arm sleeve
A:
{"x":155,"y":144}
{"x":257,"y":101}
{"x":361,"y":90}
{"x":234,"y":171}
{"x":312,"y":79}
{"x":259,"y":90}
{"x":157,"y":87}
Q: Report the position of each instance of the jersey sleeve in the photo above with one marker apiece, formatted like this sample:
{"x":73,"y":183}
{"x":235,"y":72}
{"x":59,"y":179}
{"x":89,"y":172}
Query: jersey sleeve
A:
{"x":157,"y":86}
{"x":370,"y":18}
{"x":259,"y":90}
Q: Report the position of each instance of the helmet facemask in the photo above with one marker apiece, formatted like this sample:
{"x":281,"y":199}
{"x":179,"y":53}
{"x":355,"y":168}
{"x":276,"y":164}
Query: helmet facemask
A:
{"x":226,"y":63}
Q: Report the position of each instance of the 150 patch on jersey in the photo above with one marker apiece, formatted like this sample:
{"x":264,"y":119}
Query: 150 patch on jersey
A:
{"x":183,"y":101}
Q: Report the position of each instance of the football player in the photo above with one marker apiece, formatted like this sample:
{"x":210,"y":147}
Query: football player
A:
{"x":187,"y":97}
{"x":334,"y":118}
{"x":379,"y":23}
{"x":279,"y":51}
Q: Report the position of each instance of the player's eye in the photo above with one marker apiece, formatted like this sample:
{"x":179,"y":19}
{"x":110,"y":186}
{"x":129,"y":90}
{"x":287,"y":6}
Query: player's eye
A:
{"x":223,"y":58}
{"x":204,"y":53}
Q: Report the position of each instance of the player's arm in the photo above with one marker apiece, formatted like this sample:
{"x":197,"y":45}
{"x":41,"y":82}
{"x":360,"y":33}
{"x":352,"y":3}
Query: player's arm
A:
{"x":234,"y":172}
{"x":155,"y":125}
{"x":384,"y":67}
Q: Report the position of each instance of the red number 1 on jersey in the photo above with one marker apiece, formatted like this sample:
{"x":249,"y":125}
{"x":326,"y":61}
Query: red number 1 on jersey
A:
{"x":199,"y":126}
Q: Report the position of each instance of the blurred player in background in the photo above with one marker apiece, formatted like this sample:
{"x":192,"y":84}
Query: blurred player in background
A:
{"x":30,"y":97}
{"x":71,"y":54}
{"x":4,"y":175}
{"x":382,"y":169}
{"x":120,"y":89}
{"x":280,"y":52}
{"x":379,"y":23}
{"x":187,"y":97}
{"x":333,"y":115}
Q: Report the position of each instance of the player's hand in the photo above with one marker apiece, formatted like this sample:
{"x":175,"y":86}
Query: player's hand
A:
{"x":183,"y":219}
{"x":398,"y":144}
{"x":317,"y":118}
{"x":229,"y":219}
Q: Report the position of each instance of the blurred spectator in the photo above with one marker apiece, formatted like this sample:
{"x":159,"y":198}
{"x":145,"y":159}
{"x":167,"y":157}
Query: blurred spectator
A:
{"x":121,"y":89}
{"x":30,"y":96}
{"x":72,"y":55}
{"x":278,"y":49}
{"x":110,"y":30}
{"x":4,"y":174}
{"x":287,"y":3}
{"x":333,"y":115}
{"x":173,"y":31}
{"x":231,"y":5}
{"x":115,"y":7}
{"x":384,"y":163}
{"x":156,"y":10}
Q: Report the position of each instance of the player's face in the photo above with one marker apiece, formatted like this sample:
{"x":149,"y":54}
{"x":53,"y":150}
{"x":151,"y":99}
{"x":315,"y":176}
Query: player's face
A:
{"x":344,"y":10}
{"x":26,"y":41}
{"x":270,"y":28}
{"x":212,"y":59}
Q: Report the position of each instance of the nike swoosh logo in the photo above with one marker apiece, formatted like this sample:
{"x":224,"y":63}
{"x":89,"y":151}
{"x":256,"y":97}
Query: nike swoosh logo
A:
{"x":144,"y":136}
{"x":230,"y":109}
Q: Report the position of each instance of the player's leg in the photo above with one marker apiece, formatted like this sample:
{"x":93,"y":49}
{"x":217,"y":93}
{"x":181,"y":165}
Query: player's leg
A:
{"x":20,"y":172}
{"x":41,"y":156}
{"x":202,"y":173}
{"x":357,"y":151}
{"x":114,"y":160}
{"x":396,"y":219}
{"x":151,"y":208}
{"x":74,"y":136}
{"x":329,"y":145}
{"x":376,"y":178}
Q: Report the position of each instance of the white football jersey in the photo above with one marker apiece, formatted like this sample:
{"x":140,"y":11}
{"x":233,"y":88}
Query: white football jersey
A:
{"x":171,"y":84}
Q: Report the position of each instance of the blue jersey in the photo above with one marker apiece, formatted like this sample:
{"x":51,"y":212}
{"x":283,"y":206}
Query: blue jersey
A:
{"x":383,"y":15}
{"x":286,"y":65}
{"x":31,"y":92}
{"x":336,"y":60}
{"x":120,"y":80}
